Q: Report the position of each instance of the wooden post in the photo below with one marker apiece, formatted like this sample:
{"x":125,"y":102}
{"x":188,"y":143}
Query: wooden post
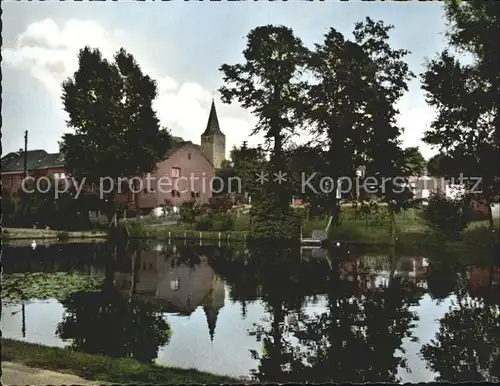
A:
{"x":219,"y":237}
{"x":200,"y":238}
{"x":169,"y":236}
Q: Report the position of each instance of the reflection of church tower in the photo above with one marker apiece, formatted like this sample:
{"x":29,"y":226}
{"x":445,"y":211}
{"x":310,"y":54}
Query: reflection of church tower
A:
{"x":213,"y":141}
{"x":213,"y":303}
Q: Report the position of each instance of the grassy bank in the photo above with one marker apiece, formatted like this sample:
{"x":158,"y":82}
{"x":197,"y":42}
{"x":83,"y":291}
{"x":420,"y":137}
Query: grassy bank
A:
{"x":356,"y":228}
{"x":26,"y":242}
{"x":30,"y":234}
{"x":180,"y":233}
{"x":102,"y":368}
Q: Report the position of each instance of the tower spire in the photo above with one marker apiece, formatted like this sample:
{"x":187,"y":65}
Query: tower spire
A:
{"x":211,"y":315}
{"x":213,"y":121}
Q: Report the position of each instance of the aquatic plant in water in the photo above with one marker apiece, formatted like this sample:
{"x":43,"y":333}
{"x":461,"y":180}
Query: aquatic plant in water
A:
{"x":24,"y":287}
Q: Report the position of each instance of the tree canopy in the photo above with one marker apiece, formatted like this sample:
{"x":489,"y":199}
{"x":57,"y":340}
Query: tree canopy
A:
{"x":116,"y":130}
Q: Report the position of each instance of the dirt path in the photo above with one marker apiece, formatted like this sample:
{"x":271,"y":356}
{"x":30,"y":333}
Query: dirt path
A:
{"x":16,"y":374}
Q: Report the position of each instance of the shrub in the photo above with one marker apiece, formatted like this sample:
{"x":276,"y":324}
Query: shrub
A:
{"x":221,"y":203}
{"x":188,"y":212}
{"x":445,"y":216}
{"x":204,"y":223}
{"x":222,"y":222}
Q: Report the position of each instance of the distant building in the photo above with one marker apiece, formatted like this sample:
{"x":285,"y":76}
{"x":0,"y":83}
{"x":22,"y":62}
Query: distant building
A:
{"x":185,"y":175}
{"x":38,"y":161}
{"x":424,"y":186}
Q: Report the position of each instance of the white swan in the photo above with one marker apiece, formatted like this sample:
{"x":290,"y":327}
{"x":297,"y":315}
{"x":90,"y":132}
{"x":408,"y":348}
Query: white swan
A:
{"x":33,"y":244}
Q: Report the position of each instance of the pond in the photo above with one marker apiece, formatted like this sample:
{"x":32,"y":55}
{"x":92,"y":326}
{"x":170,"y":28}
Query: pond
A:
{"x":270,"y":313}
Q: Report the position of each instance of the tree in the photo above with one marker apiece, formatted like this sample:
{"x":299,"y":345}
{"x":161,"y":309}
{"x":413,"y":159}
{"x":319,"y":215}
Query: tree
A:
{"x":269,"y":84}
{"x":414,"y":161}
{"x":388,"y":74}
{"x":239,"y":173}
{"x":352,"y":104}
{"x":442,"y":165}
{"x":117,"y":133}
{"x":466,"y":95}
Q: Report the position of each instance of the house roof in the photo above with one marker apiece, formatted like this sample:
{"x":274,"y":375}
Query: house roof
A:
{"x":213,"y":122}
{"x":178,"y":143}
{"x":36,"y":159}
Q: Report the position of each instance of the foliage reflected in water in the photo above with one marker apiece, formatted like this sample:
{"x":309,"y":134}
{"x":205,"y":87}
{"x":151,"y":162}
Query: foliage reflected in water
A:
{"x":112,"y":323}
{"x":356,"y":339}
{"x":467,"y":345}
{"x":355,"y":336}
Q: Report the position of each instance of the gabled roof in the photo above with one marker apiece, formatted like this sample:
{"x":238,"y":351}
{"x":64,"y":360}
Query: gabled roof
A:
{"x":213,"y":122}
{"x":178,"y":143}
{"x":36,"y":159}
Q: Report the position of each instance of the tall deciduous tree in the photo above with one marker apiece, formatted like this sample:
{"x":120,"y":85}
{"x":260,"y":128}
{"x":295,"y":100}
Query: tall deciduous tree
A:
{"x":335,"y":107}
{"x":352,"y":104}
{"x":269,"y":84}
{"x":387,"y":74}
{"x":117,"y":133}
{"x":466,"y":96}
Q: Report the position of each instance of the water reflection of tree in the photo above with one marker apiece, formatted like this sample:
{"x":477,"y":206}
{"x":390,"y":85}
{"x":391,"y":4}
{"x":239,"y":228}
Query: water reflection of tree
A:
{"x":111,"y":323}
{"x":355,"y":340}
{"x":467,"y":345}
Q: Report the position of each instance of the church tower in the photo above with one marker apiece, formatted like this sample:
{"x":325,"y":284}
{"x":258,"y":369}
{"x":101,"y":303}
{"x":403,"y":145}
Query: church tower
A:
{"x":213,"y":140}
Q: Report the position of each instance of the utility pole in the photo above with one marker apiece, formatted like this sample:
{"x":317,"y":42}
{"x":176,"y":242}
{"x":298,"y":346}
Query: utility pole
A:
{"x":26,"y":154}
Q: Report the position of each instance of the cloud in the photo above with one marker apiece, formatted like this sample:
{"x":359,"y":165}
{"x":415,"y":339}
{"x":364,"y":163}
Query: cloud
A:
{"x":48,"y":52}
{"x":415,"y":121}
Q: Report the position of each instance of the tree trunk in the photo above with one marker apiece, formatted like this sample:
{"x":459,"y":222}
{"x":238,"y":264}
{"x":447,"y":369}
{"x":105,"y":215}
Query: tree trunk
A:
{"x":136,"y":263}
{"x":392,"y":225}
{"x":490,"y":215}
{"x":136,"y":200}
{"x":336,"y":212}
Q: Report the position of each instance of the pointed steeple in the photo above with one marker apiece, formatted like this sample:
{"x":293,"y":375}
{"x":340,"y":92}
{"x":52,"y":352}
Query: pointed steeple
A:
{"x":211,"y":315}
{"x":213,"y":122}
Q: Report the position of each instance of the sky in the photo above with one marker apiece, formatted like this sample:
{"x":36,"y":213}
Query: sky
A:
{"x":182,"y":46}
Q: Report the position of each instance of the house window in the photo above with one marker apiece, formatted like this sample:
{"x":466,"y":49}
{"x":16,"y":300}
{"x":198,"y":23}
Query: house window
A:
{"x":195,"y":194}
{"x":176,"y":193}
{"x":189,"y":155}
{"x":176,"y":172}
{"x":174,"y":284}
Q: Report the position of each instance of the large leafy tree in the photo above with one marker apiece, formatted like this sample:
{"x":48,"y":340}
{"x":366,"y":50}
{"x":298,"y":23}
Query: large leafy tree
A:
{"x":388,"y":75}
{"x":238,"y":174}
{"x":269,"y":83}
{"x":117,"y":133}
{"x":351,"y":106}
{"x":466,"y":96}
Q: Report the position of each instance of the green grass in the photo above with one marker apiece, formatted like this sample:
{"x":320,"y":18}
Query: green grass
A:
{"x":103,"y":368}
{"x":29,"y":233}
{"x":372,"y":229}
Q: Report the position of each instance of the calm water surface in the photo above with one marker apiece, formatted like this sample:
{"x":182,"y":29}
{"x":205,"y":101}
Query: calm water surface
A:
{"x":271,"y":313}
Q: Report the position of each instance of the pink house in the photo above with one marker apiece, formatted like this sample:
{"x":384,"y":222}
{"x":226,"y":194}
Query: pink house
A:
{"x":186,"y":175}
{"x":187,"y":172}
